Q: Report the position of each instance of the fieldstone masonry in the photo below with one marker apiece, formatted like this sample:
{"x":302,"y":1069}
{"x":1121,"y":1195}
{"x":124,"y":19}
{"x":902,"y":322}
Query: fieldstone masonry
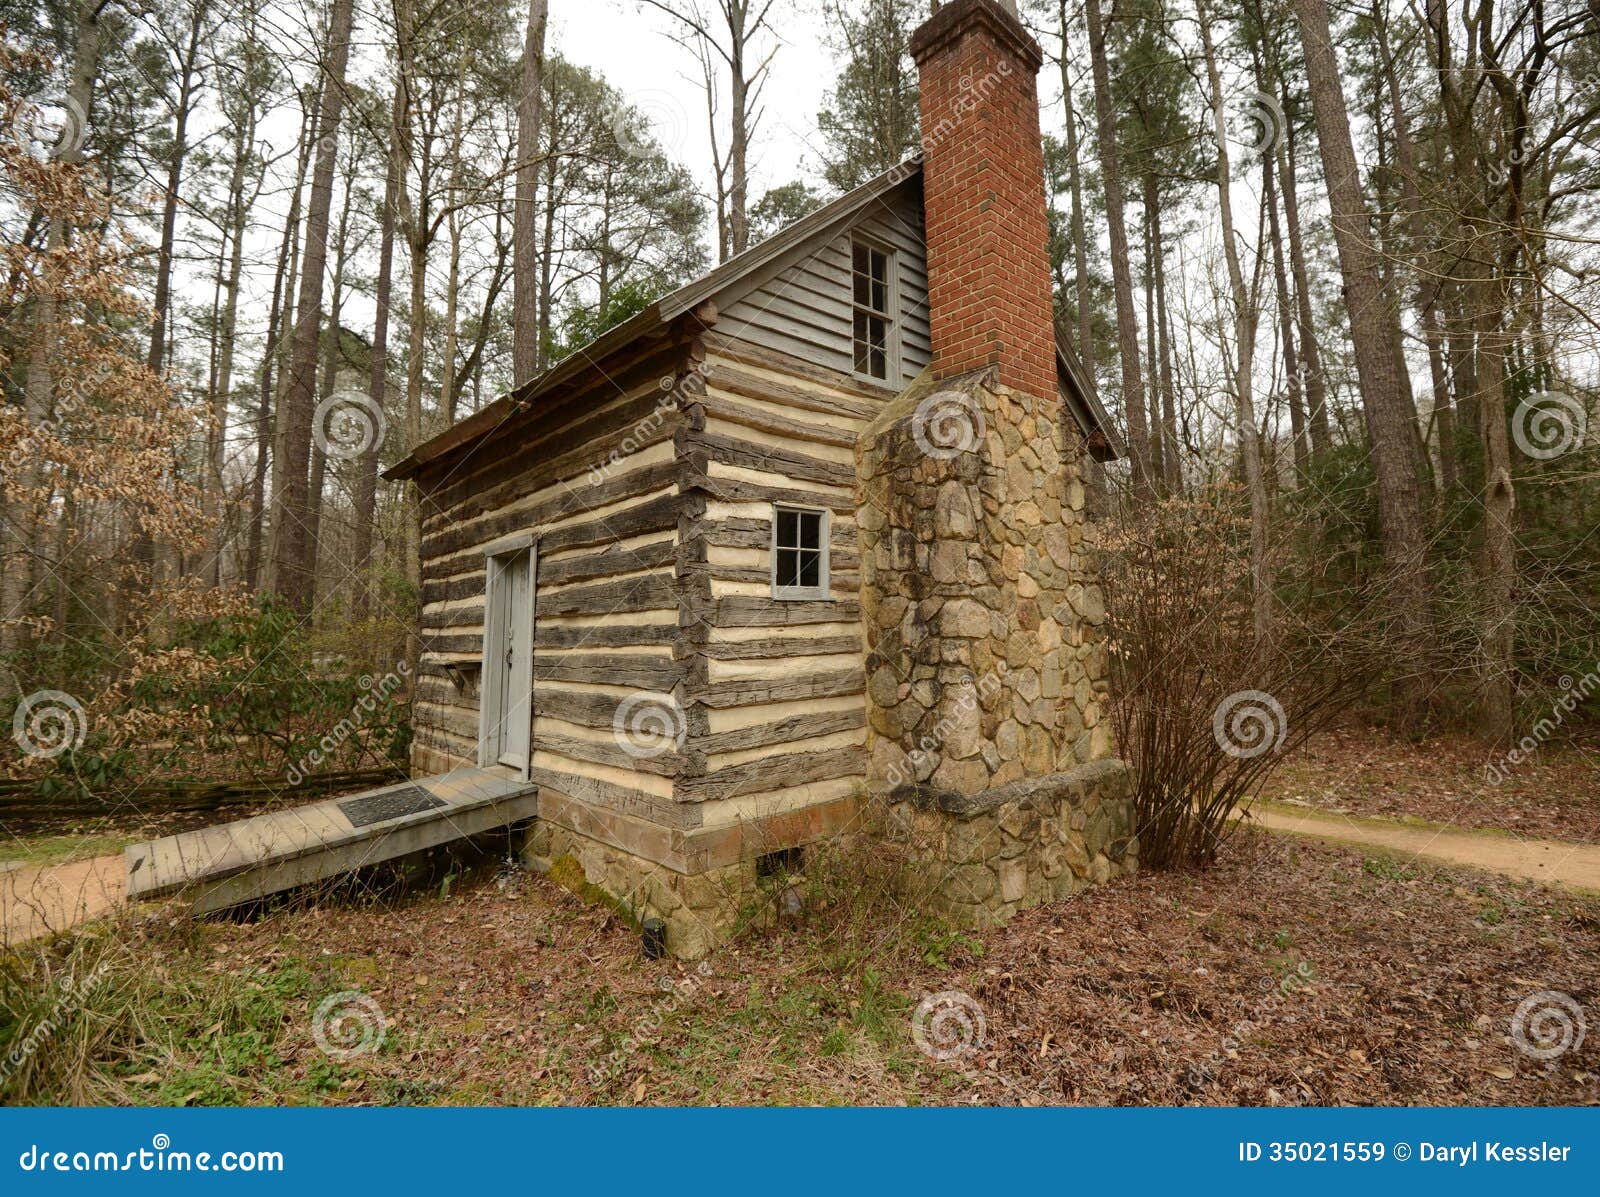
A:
{"x":986,"y":675}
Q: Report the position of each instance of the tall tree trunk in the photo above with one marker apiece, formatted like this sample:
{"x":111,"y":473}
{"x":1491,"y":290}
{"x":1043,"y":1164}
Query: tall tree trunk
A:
{"x":1291,"y":362}
{"x":525,"y":265}
{"x":238,"y":214}
{"x":18,"y":517}
{"x":1315,"y":384}
{"x":1080,"y":249}
{"x":1121,"y":277}
{"x":1245,"y":319}
{"x":162,"y":302}
{"x":366,"y":488}
{"x":1394,"y":429}
{"x":291,"y":570}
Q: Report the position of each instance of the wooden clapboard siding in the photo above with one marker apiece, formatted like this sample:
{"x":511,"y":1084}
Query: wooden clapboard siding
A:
{"x":805,"y":308}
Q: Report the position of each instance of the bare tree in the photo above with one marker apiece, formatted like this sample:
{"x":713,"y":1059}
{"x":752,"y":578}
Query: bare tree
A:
{"x":525,"y":272}
{"x":725,"y":39}
{"x":1121,"y":259}
{"x":1393,"y":425}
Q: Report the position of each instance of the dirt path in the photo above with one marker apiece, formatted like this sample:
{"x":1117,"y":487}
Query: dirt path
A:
{"x":1549,"y":862}
{"x":39,"y":900}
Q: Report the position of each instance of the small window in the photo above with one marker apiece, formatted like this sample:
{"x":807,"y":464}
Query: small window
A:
{"x":799,"y":553}
{"x":872,"y":301}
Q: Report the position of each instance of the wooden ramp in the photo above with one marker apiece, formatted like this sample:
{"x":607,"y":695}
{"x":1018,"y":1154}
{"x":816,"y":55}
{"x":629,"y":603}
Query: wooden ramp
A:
{"x":231,"y":863}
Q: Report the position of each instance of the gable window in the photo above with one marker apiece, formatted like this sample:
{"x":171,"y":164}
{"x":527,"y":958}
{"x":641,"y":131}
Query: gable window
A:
{"x":799,"y":553}
{"x":872,"y":294}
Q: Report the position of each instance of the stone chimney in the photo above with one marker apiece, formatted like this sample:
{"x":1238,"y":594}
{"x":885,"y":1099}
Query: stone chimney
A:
{"x":989,"y":755}
{"x":986,"y":220}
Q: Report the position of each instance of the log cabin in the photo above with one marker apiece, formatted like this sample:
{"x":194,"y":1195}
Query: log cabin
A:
{"x":800,"y":552}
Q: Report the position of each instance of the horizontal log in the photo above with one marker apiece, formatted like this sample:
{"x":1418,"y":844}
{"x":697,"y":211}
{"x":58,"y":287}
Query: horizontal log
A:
{"x":781,"y":731}
{"x":547,"y":635}
{"x":609,"y":752}
{"x":469,"y":537}
{"x":734,"y":490}
{"x":769,"y":647}
{"x":747,"y":692}
{"x":757,"y":611}
{"x":776,"y":772}
{"x":723,"y":345}
{"x":744,"y":533}
{"x":613,"y":559}
{"x":769,"y":459}
{"x":623,"y":799}
{"x":646,"y":592}
{"x":798,"y":431}
{"x":639,"y":673}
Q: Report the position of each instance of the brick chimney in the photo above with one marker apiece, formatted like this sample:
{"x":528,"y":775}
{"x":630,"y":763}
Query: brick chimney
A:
{"x":983,"y":193}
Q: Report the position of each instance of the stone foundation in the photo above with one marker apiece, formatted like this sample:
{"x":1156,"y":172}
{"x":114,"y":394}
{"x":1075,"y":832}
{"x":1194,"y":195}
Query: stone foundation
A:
{"x":700,"y":910}
{"x":979,"y":859}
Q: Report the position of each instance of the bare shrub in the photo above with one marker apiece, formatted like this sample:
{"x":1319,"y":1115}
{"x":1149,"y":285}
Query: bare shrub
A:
{"x":1202,"y":710}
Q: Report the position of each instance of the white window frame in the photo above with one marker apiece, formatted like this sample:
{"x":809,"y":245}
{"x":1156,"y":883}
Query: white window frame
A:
{"x":822,"y":592}
{"x":891,"y":313}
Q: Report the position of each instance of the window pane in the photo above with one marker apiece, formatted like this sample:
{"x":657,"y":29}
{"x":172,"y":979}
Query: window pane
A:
{"x":810,"y":530}
{"x":861,"y":319}
{"x":810,"y":568}
{"x":863,"y":289}
{"x":880,"y":282}
{"x":788,"y":525}
{"x":788,"y":567}
{"x":860,"y":258}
